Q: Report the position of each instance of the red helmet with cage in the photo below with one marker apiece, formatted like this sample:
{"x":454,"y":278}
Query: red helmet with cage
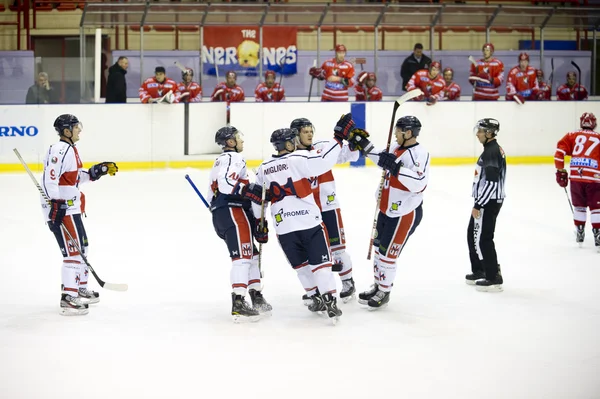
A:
{"x":540,"y":73}
{"x":435,"y":64}
{"x":523,"y":57}
{"x":371,"y":75}
{"x":490,"y":45}
{"x":270,"y":73}
{"x":340,"y":47}
{"x":587,"y":121}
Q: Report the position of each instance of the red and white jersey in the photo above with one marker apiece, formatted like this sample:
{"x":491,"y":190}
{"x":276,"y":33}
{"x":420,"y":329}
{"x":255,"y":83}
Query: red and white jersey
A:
{"x":487,"y":91}
{"x":431,"y":87}
{"x":230,"y":94}
{"x":151,"y":88}
{"x":265,"y":94}
{"x":404,"y":193}
{"x":584,"y":148}
{"x":521,"y":82}
{"x":228,"y":171}
{"x":63,"y":173}
{"x":293,"y":205}
{"x":337,"y":91}
{"x":575,"y":93}
{"x":372,"y":94}
{"x":323,"y":186}
{"x":194,"y":90}
{"x":451,"y":92}
{"x":544,"y":92}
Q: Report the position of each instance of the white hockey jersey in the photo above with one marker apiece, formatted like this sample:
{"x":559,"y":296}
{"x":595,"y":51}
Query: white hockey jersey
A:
{"x":293,"y":205}
{"x":323,"y":186}
{"x":229,"y":170}
{"x":63,"y":173}
{"x":403,"y":193}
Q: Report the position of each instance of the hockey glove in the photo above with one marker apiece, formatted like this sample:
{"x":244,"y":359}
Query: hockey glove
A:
{"x":519,"y":99}
{"x":484,"y":76}
{"x":101,"y":169}
{"x":253,"y":192}
{"x":359,"y":141}
{"x":431,"y":100}
{"x":389,"y":162}
{"x":362,"y":77}
{"x":261,"y":234}
{"x":562,"y":177}
{"x":345,"y":82}
{"x":58,"y":210}
{"x":316,"y":73}
{"x":343,"y":127}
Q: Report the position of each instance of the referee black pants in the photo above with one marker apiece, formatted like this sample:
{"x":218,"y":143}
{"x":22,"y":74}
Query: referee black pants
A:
{"x":480,"y":236}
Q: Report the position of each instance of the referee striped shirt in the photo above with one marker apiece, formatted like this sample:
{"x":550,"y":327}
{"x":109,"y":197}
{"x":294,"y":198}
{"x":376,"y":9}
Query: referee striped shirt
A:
{"x":490,"y":175}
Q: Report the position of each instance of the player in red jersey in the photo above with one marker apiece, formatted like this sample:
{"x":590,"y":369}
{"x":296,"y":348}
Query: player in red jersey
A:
{"x":158,"y":88}
{"x":584,"y":148}
{"x":269,"y":90}
{"x":545,"y":91}
{"x":571,"y":91}
{"x":229,"y":90}
{"x":451,"y":89}
{"x":371,"y":92}
{"x":522,"y":84}
{"x":193,"y":89}
{"x":338,"y":74}
{"x":487,"y":75}
{"x":430,"y":82}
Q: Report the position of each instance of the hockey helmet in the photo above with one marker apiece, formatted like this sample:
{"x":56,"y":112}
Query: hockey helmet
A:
{"x":160,"y":69}
{"x":66,"y":121}
{"x":587,"y":121}
{"x":340,"y":47}
{"x":230,"y":74}
{"x":448,"y":69}
{"x":188,"y":71}
{"x":435,"y":64}
{"x":371,"y":75}
{"x":270,"y":73}
{"x":300,"y":123}
{"x":572,"y":73}
{"x":489,"y":125}
{"x":540,"y":73}
{"x":411,"y":123}
{"x":490,"y":45}
{"x":281,"y":136}
{"x":224,"y":134}
{"x":524,"y":57}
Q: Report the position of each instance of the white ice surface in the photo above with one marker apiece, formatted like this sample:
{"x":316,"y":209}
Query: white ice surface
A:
{"x":171,"y":335}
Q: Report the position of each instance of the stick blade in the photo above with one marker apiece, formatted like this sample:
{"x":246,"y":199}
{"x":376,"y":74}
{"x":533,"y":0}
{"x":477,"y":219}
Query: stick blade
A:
{"x":116,"y":287}
{"x":473,"y":60}
{"x":409,"y":96}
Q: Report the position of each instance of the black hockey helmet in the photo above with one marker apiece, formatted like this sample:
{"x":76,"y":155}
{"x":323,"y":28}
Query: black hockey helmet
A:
{"x":299,"y":123}
{"x":411,"y":123}
{"x":280,"y":136}
{"x":489,"y":125}
{"x":65,"y":121}
{"x":224,"y":134}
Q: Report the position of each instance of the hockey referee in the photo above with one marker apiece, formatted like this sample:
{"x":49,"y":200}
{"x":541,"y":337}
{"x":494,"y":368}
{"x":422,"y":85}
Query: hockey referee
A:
{"x":488,"y":192}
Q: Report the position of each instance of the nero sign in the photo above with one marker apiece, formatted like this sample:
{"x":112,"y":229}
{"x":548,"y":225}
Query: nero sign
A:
{"x":13,"y":131}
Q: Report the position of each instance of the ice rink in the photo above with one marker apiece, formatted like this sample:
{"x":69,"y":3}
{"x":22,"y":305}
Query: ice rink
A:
{"x":171,"y":334}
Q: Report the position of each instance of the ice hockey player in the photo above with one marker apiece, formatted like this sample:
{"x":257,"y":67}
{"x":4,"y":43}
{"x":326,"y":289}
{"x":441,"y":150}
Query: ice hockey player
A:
{"x":187,"y":85}
{"x":571,"y":91}
{"x":229,"y":90}
{"x":269,"y":90}
{"x":545,"y":91}
{"x":234,"y":223}
{"x":583,"y":146}
{"x":488,"y":193}
{"x":371,"y":92}
{"x":487,"y":76}
{"x":338,"y":75}
{"x":522,"y":84}
{"x":451,"y":89}
{"x":324,"y":192}
{"x":63,"y":174}
{"x":296,"y":216}
{"x":159,"y":88}
{"x":400,"y":209}
{"x":430,"y":82}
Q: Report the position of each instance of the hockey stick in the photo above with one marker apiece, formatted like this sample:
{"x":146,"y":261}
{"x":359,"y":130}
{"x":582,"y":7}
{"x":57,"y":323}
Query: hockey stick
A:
{"x":312,"y":79}
{"x":262,"y":225}
{"x":551,"y":76}
{"x":579,"y":76}
{"x":108,"y":286}
{"x":569,"y":199}
{"x":360,"y":61}
{"x":178,"y":65}
{"x":189,"y":179}
{"x":404,"y":98}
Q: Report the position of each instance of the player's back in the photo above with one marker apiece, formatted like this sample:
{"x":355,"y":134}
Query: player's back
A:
{"x":227,"y":172}
{"x":584,"y":148}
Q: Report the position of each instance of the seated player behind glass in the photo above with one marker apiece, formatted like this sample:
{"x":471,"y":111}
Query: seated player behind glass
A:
{"x":522,"y":83}
{"x":228,"y":91}
{"x":370,"y":92}
{"x":430,"y":82}
{"x":190,"y":91}
{"x":269,"y":90}
{"x":451,"y":89}
{"x":159,"y":88}
{"x":545,"y":91}
{"x":571,"y":91}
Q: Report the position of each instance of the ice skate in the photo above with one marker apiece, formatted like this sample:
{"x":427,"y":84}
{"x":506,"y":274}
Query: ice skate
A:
{"x":317,"y":304}
{"x":494,"y":285}
{"x":472,"y":278}
{"x":260,"y":303}
{"x":348,"y":290}
{"x":306,"y":299}
{"x":241,"y":311}
{"x":88,"y":296}
{"x":363,"y":297}
{"x":379,"y":300}
{"x":580,"y":235}
{"x":596,"y":238}
{"x":333,"y":312}
{"x":72,"y":306}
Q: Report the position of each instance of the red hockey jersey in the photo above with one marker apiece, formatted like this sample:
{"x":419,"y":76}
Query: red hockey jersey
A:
{"x":575,"y":93}
{"x":194,"y":92}
{"x":151,"y":88}
{"x":544,"y":92}
{"x":337,"y":91}
{"x":430,"y":87}
{"x":451,"y":92}
{"x":521,"y":82}
{"x":493,"y":70}
{"x":229,"y":94}
{"x":264,"y":94}
{"x":584,"y":148}
{"x":364,"y":94}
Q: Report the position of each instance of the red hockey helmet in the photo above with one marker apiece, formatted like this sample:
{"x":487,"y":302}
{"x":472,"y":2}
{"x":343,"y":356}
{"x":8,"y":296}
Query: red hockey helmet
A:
{"x":490,"y":45}
{"x":448,"y":69}
{"x":522,"y":56}
{"x":540,"y":73}
{"x":571,"y":73}
{"x":230,"y":73}
{"x":435,"y":64}
{"x":587,"y":121}
{"x":270,"y":73}
{"x":340,"y":47}
{"x":371,"y":75}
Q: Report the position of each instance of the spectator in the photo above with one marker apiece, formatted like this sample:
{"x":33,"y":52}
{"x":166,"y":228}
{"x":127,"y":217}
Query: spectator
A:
{"x":41,"y":92}
{"x":413,"y":63}
{"x":116,"y":86}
